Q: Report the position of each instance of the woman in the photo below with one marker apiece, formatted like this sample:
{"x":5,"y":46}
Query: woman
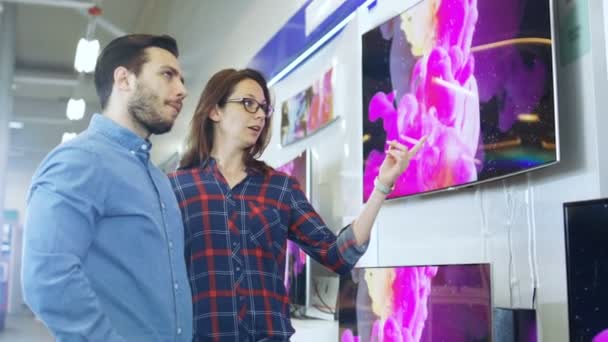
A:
{"x":238,"y":214}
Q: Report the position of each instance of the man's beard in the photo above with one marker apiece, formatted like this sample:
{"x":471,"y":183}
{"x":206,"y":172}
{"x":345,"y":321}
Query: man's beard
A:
{"x":143,"y":108}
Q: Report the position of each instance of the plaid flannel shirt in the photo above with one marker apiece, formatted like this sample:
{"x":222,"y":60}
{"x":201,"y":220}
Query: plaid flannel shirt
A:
{"x":235,"y":250}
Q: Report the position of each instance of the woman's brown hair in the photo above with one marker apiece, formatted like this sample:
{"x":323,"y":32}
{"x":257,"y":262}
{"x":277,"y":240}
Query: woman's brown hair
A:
{"x":199,"y":142}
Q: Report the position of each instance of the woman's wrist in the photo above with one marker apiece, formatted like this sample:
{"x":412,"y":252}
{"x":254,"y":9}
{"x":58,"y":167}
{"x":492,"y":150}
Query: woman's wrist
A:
{"x":383,"y":187}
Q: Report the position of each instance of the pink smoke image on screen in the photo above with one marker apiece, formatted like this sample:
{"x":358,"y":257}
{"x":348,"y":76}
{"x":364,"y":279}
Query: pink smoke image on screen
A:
{"x":406,"y":311}
{"x":321,"y":104}
{"x":296,"y":260}
{"x":601,"y":337}
{"x":295,"y":257}
{"x":443,"y":104}
{"x":416,"y":303}
{"x":308,"y":111}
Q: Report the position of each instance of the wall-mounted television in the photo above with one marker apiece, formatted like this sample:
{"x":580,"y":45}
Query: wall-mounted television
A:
{"x":586,"y":224}
{"x":416,"y":303}
{"x":308,"y":111}
{"x":297,"y":263}
{"x":475,"y":77}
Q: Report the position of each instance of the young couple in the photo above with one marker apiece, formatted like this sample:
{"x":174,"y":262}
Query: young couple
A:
{"x":117,"y":251}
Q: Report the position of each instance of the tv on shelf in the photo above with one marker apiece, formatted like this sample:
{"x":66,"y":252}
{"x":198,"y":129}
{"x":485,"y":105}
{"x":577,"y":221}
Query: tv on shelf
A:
{"x":475,"y":77}
{"x":297,"y":265}
{"x":416,"y":304}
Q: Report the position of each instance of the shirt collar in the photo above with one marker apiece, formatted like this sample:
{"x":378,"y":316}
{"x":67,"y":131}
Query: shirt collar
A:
{"x":211,"y":162}
{"x":123,"y":136}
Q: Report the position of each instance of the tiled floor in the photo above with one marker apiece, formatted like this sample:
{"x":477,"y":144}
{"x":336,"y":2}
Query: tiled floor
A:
{"x":24,"y":328}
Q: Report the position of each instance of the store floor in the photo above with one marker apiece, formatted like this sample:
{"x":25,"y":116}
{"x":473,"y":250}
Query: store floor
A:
{"x":24,"y":328}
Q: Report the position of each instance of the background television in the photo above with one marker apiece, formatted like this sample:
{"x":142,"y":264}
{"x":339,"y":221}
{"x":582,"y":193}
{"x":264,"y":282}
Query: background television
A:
{"x":427,"y":303}
{"x":586,"y":225}
{"x":476,"y":77}
{"x":297,"y":265}
{"x":308,"y":111}
{"x":514,"y":325}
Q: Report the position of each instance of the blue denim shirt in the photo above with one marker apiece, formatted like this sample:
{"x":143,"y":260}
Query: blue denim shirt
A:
{"x":103,"y":255}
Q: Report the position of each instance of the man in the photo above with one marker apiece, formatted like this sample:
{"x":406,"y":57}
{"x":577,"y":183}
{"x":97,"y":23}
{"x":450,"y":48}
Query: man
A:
{"x":103,"y":255}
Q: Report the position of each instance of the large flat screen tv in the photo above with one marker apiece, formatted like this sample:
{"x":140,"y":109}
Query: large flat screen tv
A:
{"x":297,"y":263}
{"x":476,"y":77}
{"x":586,"y":225}
{"x":416,"y":303}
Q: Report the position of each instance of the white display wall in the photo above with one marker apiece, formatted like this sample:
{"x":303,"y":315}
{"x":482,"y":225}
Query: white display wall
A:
{"x":516,"y":224}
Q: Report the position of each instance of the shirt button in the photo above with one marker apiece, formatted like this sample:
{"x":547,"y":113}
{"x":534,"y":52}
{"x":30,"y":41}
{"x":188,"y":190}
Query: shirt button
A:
{"x":179,"y":331}
{"x":176,"y":286}
{"x":162,"y":205}
{"x":132,"y":152}
{"x":170,"y":244}
{"x":238,"y":268}
{"x":144,"y":147}
{"x":234,"y":244}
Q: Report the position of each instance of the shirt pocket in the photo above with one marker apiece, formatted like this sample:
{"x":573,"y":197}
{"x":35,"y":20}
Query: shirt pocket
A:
{"x":266,"y":229}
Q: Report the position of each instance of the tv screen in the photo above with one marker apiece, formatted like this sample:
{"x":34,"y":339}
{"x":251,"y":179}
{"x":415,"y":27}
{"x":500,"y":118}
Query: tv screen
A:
{"x":514,"y":325}
{"x":475,"y":77}
{"x":296,"y":262}
{"x":308,"y":111}
{"x":416,"y":303}
{"x":586,"y":226}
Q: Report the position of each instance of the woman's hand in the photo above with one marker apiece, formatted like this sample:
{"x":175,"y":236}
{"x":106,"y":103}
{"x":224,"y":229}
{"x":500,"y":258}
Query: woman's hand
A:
{"x":397,"y":160}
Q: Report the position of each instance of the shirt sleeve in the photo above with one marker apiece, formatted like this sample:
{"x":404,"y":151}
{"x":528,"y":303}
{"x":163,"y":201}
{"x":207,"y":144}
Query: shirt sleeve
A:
{"x":64,"y":202}
{"x":306,"y":228}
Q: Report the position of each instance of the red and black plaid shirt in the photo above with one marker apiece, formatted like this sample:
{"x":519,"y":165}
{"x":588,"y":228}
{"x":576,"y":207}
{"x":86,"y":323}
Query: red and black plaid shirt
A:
{"x":235,"y":250}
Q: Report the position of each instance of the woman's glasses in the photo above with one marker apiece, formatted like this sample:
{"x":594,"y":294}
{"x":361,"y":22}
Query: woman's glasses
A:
{"x":252,"y":105}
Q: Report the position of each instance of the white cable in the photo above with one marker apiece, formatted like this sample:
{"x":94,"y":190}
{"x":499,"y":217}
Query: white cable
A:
{"x":512,"y":281}
{"x":530,"y":239}
{"x":484,"y":222}
{"x":535,"y":256}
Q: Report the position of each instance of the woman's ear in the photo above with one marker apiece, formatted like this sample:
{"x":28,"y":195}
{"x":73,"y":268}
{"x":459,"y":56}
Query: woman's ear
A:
{"x":215,"y":114}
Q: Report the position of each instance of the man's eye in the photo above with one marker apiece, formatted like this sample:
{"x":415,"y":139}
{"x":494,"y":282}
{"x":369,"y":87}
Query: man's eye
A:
{"x":167,"y":74}
{"x":248,"y":102}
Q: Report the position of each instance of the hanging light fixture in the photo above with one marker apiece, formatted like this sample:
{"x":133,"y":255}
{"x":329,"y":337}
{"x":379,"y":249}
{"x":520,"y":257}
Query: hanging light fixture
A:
{"x":86,"y":55}
{"x":68,"y":136}
{"x":87,"y":49}
{"x":75,"y":109}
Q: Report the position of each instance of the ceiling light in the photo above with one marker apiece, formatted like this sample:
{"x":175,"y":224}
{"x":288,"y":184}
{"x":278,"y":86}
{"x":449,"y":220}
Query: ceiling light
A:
{"x":15,"y":124}
{"x":75,"y":109}
{"x":86,"y":55}
{"x":68,"y":136}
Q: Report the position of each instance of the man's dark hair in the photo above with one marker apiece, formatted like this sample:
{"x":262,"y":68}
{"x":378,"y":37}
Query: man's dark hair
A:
{"x":129,"y":52}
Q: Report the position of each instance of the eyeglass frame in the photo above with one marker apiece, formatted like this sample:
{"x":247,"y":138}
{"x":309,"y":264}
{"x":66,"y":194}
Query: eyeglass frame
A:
{"x":266,"y":108}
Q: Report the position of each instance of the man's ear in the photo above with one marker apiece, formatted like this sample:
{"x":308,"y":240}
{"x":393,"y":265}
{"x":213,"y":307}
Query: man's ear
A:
{"x":215,"y":114}
{"x":124,"y":79}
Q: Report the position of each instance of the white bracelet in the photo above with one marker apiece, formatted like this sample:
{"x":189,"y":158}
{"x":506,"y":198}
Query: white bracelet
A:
{"x":382,"y":188}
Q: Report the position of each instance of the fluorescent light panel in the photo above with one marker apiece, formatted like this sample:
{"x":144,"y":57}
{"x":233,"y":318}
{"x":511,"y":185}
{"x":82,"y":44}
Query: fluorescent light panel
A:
{"x":75,"y":109}
{"x":15,"y":124}
{"x":86,"y":55}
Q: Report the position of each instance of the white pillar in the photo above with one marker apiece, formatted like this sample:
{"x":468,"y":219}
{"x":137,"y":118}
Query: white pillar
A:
{"x":7,"y":68}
